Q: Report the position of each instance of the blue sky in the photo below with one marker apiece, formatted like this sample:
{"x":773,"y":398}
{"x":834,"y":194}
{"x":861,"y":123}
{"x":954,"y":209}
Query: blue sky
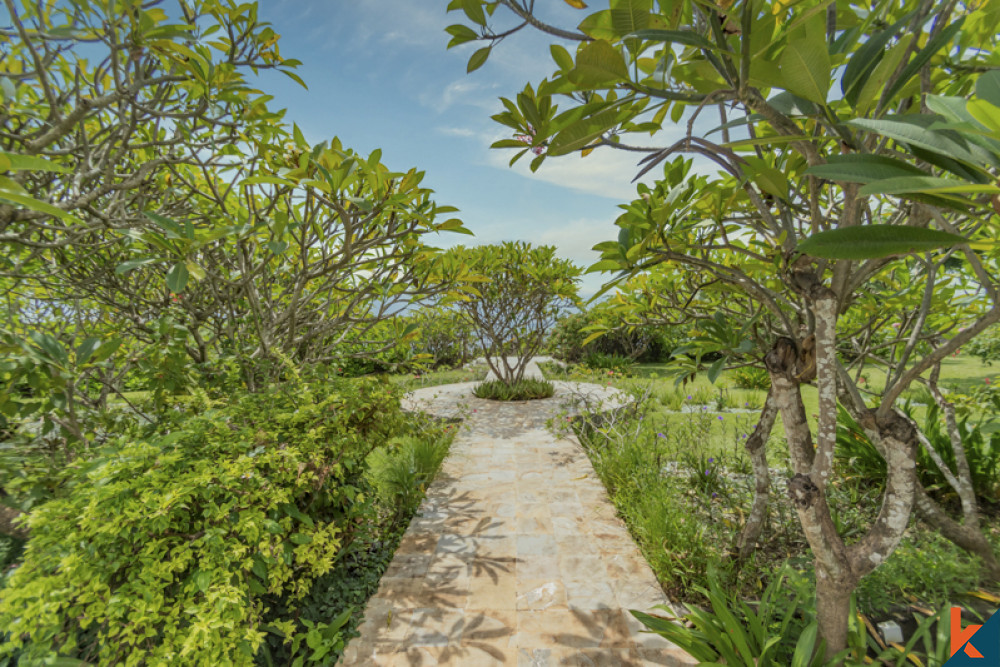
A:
{"x":380,"y":76}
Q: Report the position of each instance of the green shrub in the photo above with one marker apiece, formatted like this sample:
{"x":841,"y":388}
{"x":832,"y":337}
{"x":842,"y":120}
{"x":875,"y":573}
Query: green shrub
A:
{"x":343,"y":592}
{"x":166,"y":545}
{"x":524,"y":390}
{"x":751,"y":377}
{"x":607,"y":362}
{"x":401,"y":475}
{"x":986,"y":345}
{"x":982,"y":451}
{"x":780,"y":630}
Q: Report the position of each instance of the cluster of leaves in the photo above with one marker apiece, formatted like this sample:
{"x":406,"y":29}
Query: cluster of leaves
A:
{"x":525,"y":389}
{"x":986,"y":346}
{"x":859,"y":456}
{"x":519,"y":293}
{"x":572,"y":337}
{"x":213,"y":513}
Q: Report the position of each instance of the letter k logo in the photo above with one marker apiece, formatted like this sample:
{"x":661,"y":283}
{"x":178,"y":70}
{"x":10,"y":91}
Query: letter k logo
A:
{"x":960,"y":636}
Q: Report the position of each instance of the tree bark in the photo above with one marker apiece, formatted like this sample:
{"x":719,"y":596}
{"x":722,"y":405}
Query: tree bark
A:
{"x":967,"y":537}
{"x":756,"y":446}
{"x":833,"y":607}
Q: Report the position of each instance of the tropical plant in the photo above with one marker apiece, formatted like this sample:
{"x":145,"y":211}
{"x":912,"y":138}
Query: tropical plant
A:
{"x":519,"y":293}
{"x":607,"y":362}
{"x":526,"y":389}
{"x":779,"y":630}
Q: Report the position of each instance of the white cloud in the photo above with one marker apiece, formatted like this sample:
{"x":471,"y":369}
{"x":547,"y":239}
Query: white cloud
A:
{"x":462,"y":132}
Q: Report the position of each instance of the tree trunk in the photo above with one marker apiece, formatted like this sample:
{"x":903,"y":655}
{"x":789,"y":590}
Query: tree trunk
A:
{"x":833,"y":607}
{"x":756,"y":446}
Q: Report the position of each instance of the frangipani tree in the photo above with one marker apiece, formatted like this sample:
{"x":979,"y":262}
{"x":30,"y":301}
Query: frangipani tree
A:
{"x":519,"y":293}
{"x":833,"y":104}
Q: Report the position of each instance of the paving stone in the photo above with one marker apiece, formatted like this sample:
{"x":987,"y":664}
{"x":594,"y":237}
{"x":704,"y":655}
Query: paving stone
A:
{"x":515,"y":557}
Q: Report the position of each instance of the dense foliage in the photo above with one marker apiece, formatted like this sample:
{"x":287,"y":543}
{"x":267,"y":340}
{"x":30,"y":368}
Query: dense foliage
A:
{"x":187,"y":282}
{"x":519,"y":293}
{"x":212,"y":511}
{"x":525,"y":389}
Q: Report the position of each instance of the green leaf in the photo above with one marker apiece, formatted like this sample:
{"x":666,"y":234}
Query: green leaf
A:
{"x":599,"y":64}
{"x":629,"y":16}
{"x":269,"y":180}
{"x":686,"y":37}
{"x":202,"y":580}
{"x":172,"y":227}
{"x":478,"y":59}
{"x":582,"y":132}
{"x":861,"y":64}
{"x":294,"y":77}
{"x":300,"y":538}
{"x":86,"y":349}
{"x":125,"y":267}
{"x":986,"y":113}
{"x":52,"y":347}
{"x":805,"y":70}
{"x":33,"y":204}
{"x":195,"y":270}
{"x":17,"y":162}
{"x":716,"y":369}
{"x":861,"y":168}
{"x":933,"y":45}
{"x":474,"y":10}
{"x":805,"y":646}
{"x":460,"y":34}
{"x":988,"y":86}
{"x":875,"y":81}
{"x":914,"y":130}
{"x":177,"y":277}
{"x":931,"y":184}
{"x":875,"y":242}
{"x":561,"y":57}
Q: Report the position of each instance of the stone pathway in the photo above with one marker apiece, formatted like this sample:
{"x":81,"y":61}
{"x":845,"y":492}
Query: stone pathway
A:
{"x":515,"y":557}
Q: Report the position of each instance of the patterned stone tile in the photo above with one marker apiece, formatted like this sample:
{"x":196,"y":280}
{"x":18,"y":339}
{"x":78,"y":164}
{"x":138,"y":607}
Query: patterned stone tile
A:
{"x":516,"y":556}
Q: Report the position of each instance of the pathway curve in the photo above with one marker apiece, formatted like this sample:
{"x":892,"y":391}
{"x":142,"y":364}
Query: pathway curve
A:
{"x":515,"y":557}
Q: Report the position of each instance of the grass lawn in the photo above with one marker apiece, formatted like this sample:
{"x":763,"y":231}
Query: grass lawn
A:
{"x":411,"y":381}
{"x":962,"y":374}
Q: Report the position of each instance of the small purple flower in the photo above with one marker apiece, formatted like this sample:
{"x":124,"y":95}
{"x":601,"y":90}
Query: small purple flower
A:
{"x":720,"y":418}
{"x":660,"y":435}
{"x":711,"y":460}
{"x":746,"y":405}
{"x":704,"y":408}
{"x":715,"y":495}
{"x":688,"y":398}
{"x":708,"y":472}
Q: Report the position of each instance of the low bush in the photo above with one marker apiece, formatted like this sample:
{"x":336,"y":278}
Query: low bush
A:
{"x":401,"y":475}
{"x":986,"y":346}
{"x":213,"y":513}
{"x":607,"y":362}
{"x":750,"y":377}
{"x":781,"y":629}
{"x":524,"y":390}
